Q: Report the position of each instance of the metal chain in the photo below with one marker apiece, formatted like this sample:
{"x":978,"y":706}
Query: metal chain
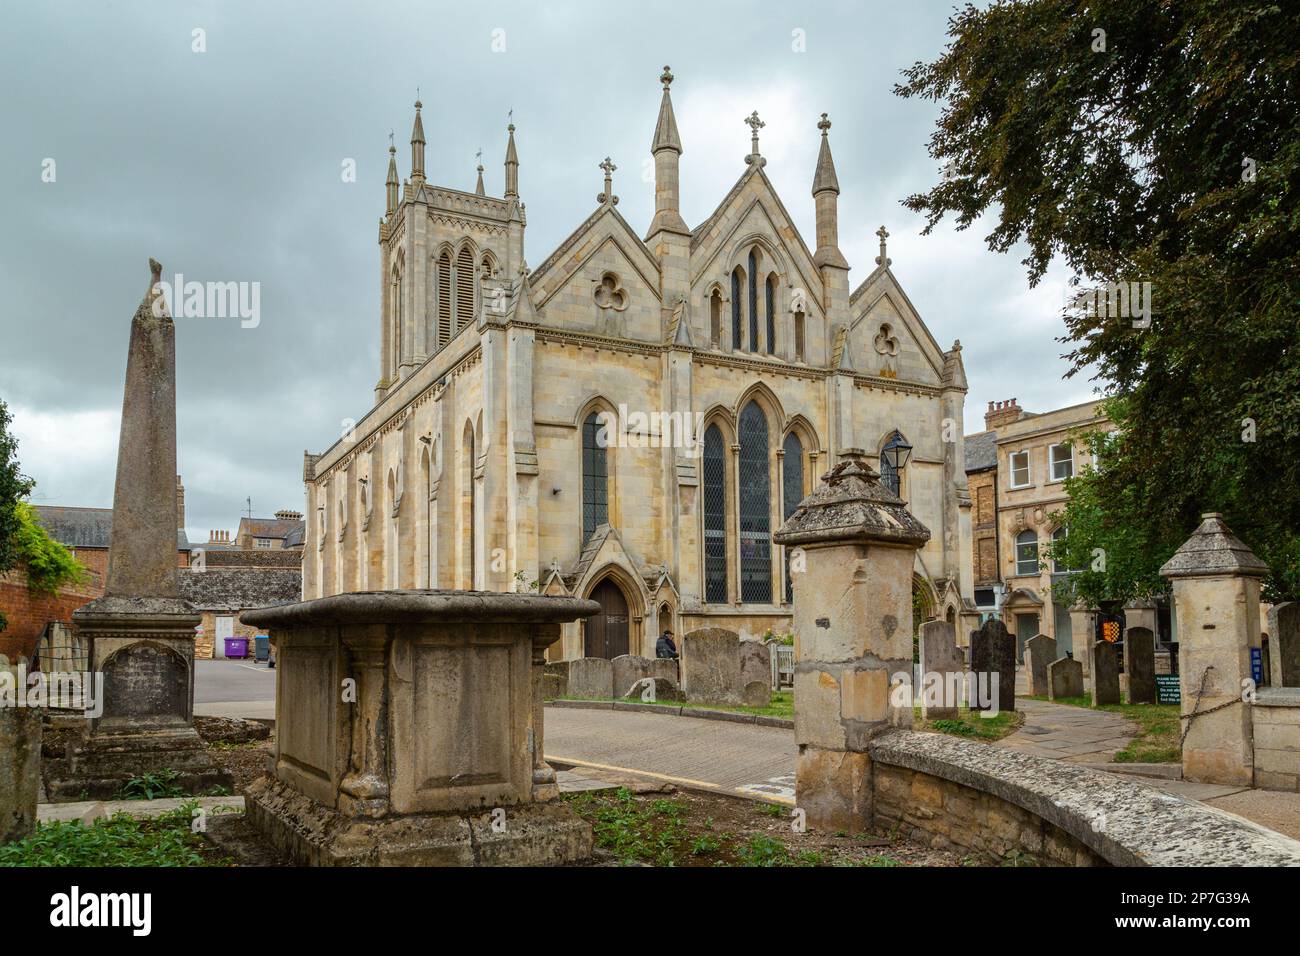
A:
{"x":1196,"y":711}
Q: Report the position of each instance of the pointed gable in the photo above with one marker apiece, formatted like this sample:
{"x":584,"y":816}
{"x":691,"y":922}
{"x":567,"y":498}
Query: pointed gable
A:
{"x":887,"y":336}
{"x":608,"y":279}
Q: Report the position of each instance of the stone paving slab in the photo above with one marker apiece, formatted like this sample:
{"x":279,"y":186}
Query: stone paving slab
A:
{"x":1063,"y":732}
{"x":87,"y":811}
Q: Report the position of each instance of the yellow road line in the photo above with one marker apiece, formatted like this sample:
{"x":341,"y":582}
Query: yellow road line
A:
{"x":642,"y":773}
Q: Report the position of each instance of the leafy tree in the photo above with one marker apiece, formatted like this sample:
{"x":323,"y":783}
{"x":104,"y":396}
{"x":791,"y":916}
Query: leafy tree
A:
{"x":48,"y":564}
{"x":14,"y":486}
{"x":1143,"y":141}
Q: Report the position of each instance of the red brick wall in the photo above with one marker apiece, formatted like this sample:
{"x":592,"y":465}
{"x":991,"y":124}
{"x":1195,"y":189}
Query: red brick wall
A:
{"x":28,"y":613}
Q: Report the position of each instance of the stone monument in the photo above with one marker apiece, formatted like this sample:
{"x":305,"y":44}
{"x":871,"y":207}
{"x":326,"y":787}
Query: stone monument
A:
{"x":410,"y":731}
{"x":1040,"y":651}
{"x":140,"y":634}
{"x":1140,"y":665}
{"x":853,"y":632}
{"x":993,"y":651}
{"x":1216,"y":581}
{"x":943,"y":670}
{"x":1105,"y":673}
{"x":1064,"y":678}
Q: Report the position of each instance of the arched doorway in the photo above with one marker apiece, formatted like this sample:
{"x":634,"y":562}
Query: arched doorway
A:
{"x":606,"y":633}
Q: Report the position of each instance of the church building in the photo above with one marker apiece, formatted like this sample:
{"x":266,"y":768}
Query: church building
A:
{"x":630,"y":420}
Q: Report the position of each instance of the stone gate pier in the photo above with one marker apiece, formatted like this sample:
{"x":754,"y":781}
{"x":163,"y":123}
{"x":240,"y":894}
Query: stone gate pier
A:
{"x":409,"y":731}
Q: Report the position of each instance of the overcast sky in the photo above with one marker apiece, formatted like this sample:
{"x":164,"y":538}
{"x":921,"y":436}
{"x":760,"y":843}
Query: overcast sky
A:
{"x":226,"y":165}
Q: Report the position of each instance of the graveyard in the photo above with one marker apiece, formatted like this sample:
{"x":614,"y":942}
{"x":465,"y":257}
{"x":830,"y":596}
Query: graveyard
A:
{"x":850,"y":471}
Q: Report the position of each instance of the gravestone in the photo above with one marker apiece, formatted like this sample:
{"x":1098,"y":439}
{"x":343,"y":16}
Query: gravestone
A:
{"x":627,"y":670}
{"x":1040,"y":651}
{"x":591,"y":677}
{"x":757,"y":693}
{"x":1064,"y":678}
{"x":943,"y":667}
{"x":20,"y":759}
{"x":755,"y":663}
{"x":555,"y":676}
{"x":711,"y":666}
{"x":1140,"y":665}
{"x":1284,"y":643}
{"x":1105,"y":673}
{"x":665,"y":691}
{"x":993,"y":651}
{"x":664,"y":669}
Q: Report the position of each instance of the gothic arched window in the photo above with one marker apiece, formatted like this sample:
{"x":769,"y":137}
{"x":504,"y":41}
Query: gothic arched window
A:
{"x":799,"y":335}
{"x":755,"y":507}
{"x":889,"y":476}
{"x":737,"y":275}
{"x":444,"y":299}
{"x":464,"y":289}
{"x":715,"y":319}
{"x":771,"y":315}
{"x":791,"y":494}
{"x":595,"y":477}
{"x":715,"y":517}
{"x":753,"y":301}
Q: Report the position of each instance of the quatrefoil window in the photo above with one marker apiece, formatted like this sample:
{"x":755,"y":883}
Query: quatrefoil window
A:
{"x":886,"y":342}
{"x":610,"y":294}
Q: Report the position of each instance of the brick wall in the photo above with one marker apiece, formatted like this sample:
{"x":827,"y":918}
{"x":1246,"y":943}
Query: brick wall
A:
{"x":28,"y":613}
{"x":205,"y":640}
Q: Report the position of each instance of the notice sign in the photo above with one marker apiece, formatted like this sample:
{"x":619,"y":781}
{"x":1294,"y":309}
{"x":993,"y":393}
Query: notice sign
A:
{"x":1256,"y":666}
{"x":1168,"y":690}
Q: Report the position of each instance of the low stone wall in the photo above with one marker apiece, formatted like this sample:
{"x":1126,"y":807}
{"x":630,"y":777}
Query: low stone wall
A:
{"x":1000,"y":803}
{"x":1276,"y":719}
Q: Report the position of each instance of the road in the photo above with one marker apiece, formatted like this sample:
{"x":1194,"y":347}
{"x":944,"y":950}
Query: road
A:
{"x":224,"y":688}
{"x":715,"y":754}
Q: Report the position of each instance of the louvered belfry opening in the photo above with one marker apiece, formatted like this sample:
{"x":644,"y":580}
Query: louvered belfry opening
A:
{"x":464,"y":289}
{"x":444,"y":299}
{"x":755,"y":508}
{"x":715,"y":517}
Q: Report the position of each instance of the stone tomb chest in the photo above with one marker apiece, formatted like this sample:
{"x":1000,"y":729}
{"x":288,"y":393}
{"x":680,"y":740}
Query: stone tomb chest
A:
{"x":415,"y":718}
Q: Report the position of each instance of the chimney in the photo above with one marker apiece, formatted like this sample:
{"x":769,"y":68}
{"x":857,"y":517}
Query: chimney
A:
{"x":287,"y":515}
{"x":180,"y":503}
{"x":1002,"y":413}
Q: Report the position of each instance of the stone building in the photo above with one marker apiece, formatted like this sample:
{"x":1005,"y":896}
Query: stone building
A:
{"x":1016,"y":469}
{"x":631,"y":419}
{"x":286,"y":530}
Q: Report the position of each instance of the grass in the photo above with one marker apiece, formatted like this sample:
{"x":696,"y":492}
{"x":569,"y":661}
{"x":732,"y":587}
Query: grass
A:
{"x":782,"y":705}
{"x":680,"y":831}
{"x":1159,"y":736}
{"x":633,"y":832}
{"x":970,"y":724}
{"x":122,"y":840}
{"x":152,"y":786}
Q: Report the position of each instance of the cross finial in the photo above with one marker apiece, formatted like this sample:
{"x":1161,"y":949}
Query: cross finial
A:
{"x":608,"y":195}
{"x":882,"y":259}
{"x":666,"y":77}
{"x":824,"y":125}
{"x":754,"y":124}
{"x":391,"y":147}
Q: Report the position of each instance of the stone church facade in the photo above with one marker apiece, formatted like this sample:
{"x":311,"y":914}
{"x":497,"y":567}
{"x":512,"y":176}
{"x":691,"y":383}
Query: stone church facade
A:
{"x":633,"y":418}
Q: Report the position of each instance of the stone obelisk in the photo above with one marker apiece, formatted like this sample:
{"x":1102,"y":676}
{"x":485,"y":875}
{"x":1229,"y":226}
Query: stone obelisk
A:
{"x":140,"y":634}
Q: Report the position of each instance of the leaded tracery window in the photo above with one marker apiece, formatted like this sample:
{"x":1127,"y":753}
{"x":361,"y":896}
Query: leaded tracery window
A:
{"x":595,"y":478}
{"x":715,"y":517}
{"x":791,"y":494}
{"x":753,"y":301}
{"x":771,"y":315}
{"x":755,"y":507}
{"x":736,"y":340}
{"x":888,"y":473}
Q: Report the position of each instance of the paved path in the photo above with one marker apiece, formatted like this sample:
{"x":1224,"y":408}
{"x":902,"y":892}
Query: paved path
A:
{"x":715,"y":754}
{"x":1074,"y":734}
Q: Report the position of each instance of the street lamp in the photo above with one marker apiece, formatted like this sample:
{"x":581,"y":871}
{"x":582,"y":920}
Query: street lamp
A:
{"x":896,"y":453}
